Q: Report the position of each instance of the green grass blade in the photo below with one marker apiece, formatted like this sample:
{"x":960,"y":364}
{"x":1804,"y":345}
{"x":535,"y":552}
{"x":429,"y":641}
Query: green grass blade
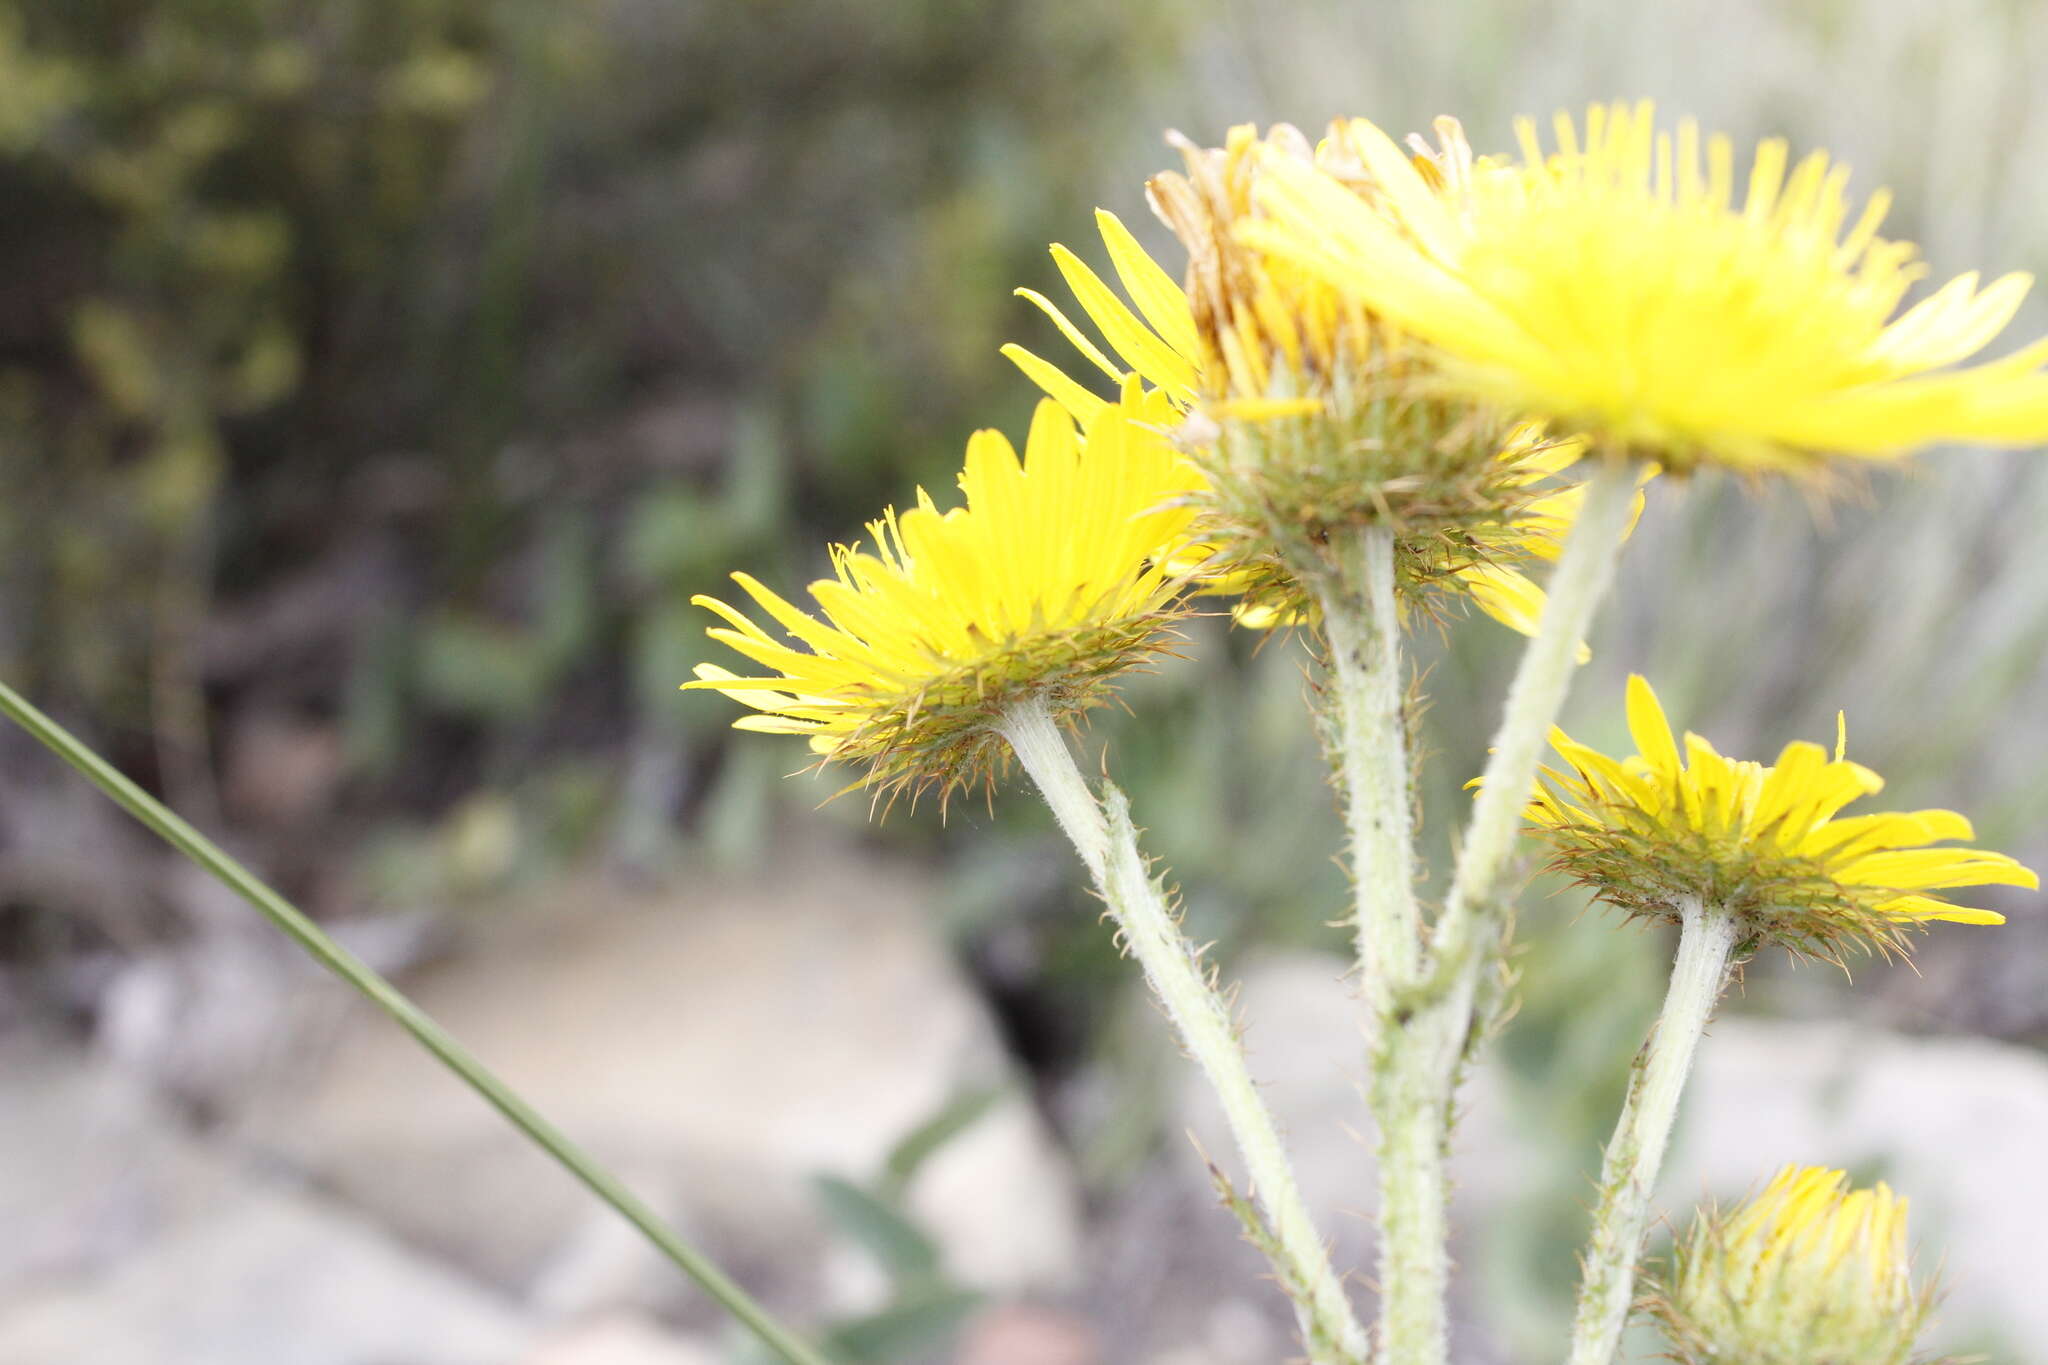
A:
{"x":387,"y":997}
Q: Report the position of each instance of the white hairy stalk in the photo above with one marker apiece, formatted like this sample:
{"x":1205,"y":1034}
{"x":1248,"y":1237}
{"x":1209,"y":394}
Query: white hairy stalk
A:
{"x":1362,"y":630}
{"x":1173,"y":968}
{"x":1474,"y":913}
{"x":1417,"y":1069}
{"x":1706,"y":942}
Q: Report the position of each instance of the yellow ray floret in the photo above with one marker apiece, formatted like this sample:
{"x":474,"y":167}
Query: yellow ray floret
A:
{"x":1670,"y":823}
{"x":1265,"y":358}
{"x":1809,"y":1270}
{"x":1620,"y":287}
{"x":1050,"y":580}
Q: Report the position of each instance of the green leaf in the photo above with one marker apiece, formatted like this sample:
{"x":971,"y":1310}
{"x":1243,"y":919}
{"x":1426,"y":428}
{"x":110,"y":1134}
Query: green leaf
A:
{"x":915,"y":1326}
{"x":567,"y":607}
{"x":481,"y":668}
{"x":904,"y":1251}
{"x":955,"y":1117}
{"x":674,"y":533}
{"x":757,"y":476}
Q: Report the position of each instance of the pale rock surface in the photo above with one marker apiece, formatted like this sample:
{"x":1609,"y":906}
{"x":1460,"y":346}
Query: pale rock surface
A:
{"x":89,"y":1165}
{"x":1027,"y":1334}
{"x":127,"y":1243}
{"x":271,"y":1277}
{"x":618,"y":1339}
{"x":717,"y":1048}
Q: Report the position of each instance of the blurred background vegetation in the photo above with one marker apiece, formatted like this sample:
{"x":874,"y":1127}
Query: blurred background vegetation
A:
{"x":378,"y":379}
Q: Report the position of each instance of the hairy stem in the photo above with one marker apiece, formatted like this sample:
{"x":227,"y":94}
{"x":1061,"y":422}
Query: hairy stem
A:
{"x":1416,"y":1073}
{"x":1468,"y":934}
{"x":1474,"y":910}
{"x":1364,"y":636}
{"x":1707,"y":938}
{"x":1363,"y":632}
{"x":1414,"y":1217}
{"x":1102,"y":833}
{"x":387,"y":997}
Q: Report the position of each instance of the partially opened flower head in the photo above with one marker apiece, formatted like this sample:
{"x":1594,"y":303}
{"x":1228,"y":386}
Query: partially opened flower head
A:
{"x":1307,"y":412}
{"x":1621,"y":287}
{"x":1244,"y":335}
{"x":1810,"y":1272}
{"x":1668,"y":825}
{"x":1049,"y":582}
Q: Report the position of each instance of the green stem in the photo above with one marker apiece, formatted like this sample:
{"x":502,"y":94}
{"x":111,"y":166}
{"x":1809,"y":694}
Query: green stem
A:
{"x":1534,"y":699}
{"x":1469,"y":933}
{"x":1364,"y":636}
{"x":1108,"y":845}
{"x":385,"y":996}
{"x":1416,"y":1074}
{"x":1414,"y":1218}
{"x":1367,"y":716}
{"x":1628,"y":1174}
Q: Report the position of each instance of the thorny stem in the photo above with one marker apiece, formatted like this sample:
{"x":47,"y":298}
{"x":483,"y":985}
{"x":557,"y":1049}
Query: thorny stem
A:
{"x":1102,"y":833}
{"x":387,"y":997}
{"x":1363,"y":632}
{"x":1707,"y":938}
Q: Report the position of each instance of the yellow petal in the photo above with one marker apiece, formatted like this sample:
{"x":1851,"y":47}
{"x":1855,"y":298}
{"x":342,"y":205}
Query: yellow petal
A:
{"x":1158,"y":295}
{"x":1054,"y":381}
{"x":1650,"y":730}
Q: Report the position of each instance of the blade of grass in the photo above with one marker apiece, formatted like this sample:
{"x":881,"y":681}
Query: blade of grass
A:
{"x":387,"y":997}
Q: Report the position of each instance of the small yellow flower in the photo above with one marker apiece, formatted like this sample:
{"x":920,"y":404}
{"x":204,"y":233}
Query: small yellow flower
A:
{"x":1305,"y":411}
{"x":1810,"y":1272}
{"x":1656,"y":829}
{"x":1617,"y":287}
{"x":1049,"y":582}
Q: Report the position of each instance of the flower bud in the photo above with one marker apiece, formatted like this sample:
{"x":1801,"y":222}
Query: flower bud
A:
{"x":1810,"y":1272}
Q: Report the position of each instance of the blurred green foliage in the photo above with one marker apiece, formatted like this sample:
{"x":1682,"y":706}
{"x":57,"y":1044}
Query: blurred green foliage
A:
{"x":404,"y":365}
{"x":177,"y":175}
{"x":926,"y":1307}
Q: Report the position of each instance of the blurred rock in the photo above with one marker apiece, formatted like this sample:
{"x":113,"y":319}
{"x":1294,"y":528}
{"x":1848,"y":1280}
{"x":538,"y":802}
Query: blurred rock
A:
{"x":234,"y":1005}
{"x":128,"y":1243}
{"x":1957,"y":1125}
{"x":1025,"y":1334}
{"x":618,"y":1339}
{"x":90,"y":1165}
{"x":270,"y":1277}
{"x":717,"y":1048}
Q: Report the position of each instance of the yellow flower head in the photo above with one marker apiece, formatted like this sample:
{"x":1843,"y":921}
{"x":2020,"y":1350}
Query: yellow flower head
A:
{"x":1304,"y":410}
{"x":1049,"y":582}
{"x":1617,"y":286}
{"x":1809,"y":1272}
{"x":1662,"y":827}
